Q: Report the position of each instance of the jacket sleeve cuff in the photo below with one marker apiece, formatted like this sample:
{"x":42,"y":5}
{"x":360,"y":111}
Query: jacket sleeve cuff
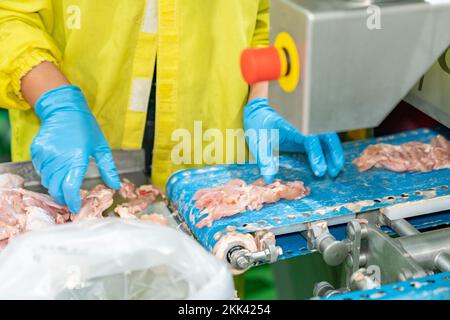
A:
{"x":27,"y":61}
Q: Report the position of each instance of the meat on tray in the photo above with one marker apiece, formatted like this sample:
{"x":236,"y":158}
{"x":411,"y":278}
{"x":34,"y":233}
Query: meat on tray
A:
{"x":410,"y":156}
{"x":139,"y":199}
{"x":155,"y":218}
{"x":128,"y":190}
{"x":8,"y":180}
{"x":94,"y":203}
{"x":22,"y":210}
{"x":237,"y":196}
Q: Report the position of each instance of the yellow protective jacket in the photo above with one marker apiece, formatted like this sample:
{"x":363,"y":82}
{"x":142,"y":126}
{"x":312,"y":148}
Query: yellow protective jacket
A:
{"x":109,"y":48}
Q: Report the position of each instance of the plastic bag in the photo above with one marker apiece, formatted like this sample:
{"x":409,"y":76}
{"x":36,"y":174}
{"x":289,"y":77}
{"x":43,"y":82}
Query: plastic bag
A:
{"x":111,"y":259}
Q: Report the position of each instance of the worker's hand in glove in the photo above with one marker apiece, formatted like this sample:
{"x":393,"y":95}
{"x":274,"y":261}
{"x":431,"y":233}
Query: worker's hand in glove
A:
{"x":324,"y":151}
{"x":68,"y":137}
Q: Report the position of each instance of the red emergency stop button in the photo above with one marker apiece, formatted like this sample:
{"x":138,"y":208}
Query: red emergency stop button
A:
{"x":280,"y":62}
{"x":262,"y":64}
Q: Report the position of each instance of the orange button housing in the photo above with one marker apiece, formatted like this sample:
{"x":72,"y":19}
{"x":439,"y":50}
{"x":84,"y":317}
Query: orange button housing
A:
{"x":258,"y":65}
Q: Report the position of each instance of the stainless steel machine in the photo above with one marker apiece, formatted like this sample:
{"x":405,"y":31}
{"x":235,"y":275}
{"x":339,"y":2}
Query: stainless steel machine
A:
{"x":349,"y":62}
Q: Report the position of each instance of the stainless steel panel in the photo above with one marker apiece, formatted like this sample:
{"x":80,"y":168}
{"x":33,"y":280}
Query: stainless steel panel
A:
{"x":431,"y":94}
{"x":352,"y":76}
{"x":127,"y":162}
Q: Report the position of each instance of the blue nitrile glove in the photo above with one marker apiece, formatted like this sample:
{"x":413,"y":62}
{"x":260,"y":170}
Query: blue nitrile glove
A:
{"x":324,"y":150}
{"x":68,"y":137}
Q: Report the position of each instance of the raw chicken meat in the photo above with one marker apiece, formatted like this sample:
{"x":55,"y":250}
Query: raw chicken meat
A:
{"x":149,"y":192}
{"x":132,"y":208}
{"x":18,"y":211}
{"x":9,"y":180}
{"x":23,"y":210}
{"x":410,"y":156}
{"x":128,"y":190}
{"x":236,"y":196}
{"x":45,"y":202}
{"x":3,"y":244}
{"x":140,"y":199}
{"x":94,"y":202}
{"x":124,"y":212}
{"x":155,"y":218}
{"x":38,"y":219}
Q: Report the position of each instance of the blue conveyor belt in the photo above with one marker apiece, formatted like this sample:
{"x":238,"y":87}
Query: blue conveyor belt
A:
{"x":350,"y":193}
{"x":435,"y":287}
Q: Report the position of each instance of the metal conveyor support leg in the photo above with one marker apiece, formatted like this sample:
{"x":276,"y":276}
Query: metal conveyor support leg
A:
{"x":319,"y":238}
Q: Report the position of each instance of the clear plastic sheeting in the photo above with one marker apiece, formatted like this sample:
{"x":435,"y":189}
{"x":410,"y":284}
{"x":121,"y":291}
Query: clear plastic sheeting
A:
{"x":111,"y":259}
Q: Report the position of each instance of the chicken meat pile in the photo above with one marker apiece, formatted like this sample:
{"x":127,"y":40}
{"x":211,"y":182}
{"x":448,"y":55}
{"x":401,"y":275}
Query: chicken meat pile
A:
{"x":410,"y":156}
{"x":237,"y":196}
{"x":94,"y":203}
{"x":22,"y":210}
{"x":138,"y":200}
